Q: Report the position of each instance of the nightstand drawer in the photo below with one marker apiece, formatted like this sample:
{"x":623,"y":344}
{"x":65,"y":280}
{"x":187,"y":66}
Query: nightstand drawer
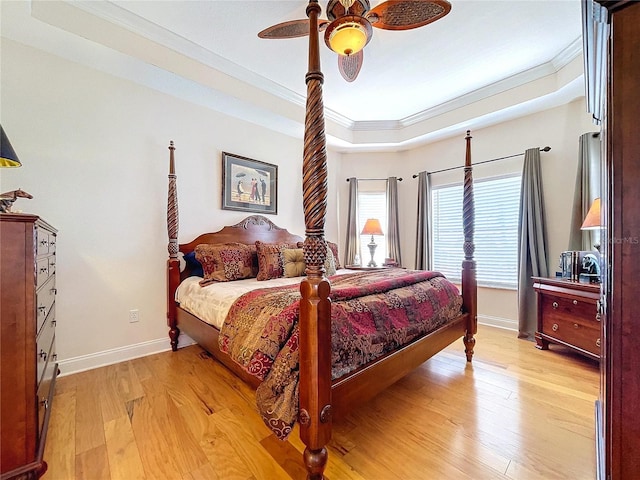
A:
{"x":569,"y":309}
{"x":577,"y":333}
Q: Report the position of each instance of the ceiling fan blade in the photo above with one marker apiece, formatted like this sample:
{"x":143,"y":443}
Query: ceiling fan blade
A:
{"x":291,"y":29}
{"x":350,"y":66}
{"x":407,"y":14}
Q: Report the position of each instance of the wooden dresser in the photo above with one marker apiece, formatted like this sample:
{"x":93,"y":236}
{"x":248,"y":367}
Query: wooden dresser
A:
{"x":568,"y":315}
{"x":28,"y":366}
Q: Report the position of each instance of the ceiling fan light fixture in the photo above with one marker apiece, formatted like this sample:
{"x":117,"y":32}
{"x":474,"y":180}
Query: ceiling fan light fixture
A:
{"x":348,"y":34}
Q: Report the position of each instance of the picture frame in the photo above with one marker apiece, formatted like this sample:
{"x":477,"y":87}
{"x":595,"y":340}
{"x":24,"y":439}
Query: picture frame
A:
{"x":249,"y":185}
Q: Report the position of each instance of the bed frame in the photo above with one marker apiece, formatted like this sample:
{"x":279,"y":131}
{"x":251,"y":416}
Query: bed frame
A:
{"x":320,"y":399}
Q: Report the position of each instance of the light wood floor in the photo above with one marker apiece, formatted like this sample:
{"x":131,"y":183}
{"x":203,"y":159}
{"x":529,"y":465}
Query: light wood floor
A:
{"x":515,"y":413}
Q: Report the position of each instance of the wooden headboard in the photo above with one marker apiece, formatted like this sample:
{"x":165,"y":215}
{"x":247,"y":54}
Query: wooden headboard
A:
{"x":255,"y":227}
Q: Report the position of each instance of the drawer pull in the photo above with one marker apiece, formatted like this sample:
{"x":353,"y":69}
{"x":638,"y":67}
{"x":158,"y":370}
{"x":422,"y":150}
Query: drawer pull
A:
{"x":575,"y":302}
{"x":576,"y":326}
{"x":598,"y":316}
{"x":43,"y":355}
{"x":52,"y":264}
{"x":43,"y":242}
{"x":54,"y":291}
{"x":598,"y":343}
{"x":554,"y":327}
{"x":54,"y":357}
{"x":52,"y":243}
{"x":554,"y":304}
{"x":43,"y":269}
{"x":45,"y":403}
{"x":53,"y":323}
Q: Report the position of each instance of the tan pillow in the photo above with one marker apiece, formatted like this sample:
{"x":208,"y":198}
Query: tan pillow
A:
{"x":330,"y":263}
{"x":334,"y":249}
{"x":226,"y":262}
{"x":293,"y":262}
{"x":270,"y":261}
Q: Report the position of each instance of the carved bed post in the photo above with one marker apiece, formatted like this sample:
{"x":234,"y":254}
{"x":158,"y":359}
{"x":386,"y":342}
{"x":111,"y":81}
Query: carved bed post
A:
{"x":469,"y":286}
{"x":315,"y":306}
{"x":173,"y":265}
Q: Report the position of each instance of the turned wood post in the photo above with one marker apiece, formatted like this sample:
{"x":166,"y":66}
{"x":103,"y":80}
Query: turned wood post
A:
{"x":315,"y":306}
{"x":469,"y":285}
{"x":173,"y":264}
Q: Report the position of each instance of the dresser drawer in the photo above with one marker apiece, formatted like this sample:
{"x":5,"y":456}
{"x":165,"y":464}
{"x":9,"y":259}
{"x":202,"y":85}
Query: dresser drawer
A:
{"x":42,"y":271}
{"x":45,"y":390}
{"x":570,"y":309}
{"x":42,"y":241}
{"x":44,"y":343}
{"x":45,"y":297}
{"x":581,"y":334}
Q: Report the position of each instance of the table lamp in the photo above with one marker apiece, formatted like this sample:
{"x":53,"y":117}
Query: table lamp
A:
{"x":372,"y":227}
{"x":592,"y":220}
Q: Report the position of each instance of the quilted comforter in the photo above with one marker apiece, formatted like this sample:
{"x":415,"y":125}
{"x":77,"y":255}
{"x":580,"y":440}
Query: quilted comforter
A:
{"x":372,"y":313}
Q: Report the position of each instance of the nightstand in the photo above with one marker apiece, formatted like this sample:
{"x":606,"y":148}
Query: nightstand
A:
{"x":568,"y":315}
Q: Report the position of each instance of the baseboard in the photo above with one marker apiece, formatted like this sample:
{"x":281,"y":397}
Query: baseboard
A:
{"x":121,"y":354}
{"x":499,"y":322}
{"x":117,"y":355}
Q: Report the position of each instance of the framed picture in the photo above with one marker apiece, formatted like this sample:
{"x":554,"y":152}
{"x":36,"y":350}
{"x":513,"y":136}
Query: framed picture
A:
{"x":249,"y":185}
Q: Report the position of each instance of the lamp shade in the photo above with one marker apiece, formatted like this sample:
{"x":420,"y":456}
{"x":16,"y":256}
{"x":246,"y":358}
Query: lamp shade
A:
{"x":372,"y":227}
{"x":348,"y":34}
{"x":592,"y":220}
{"x":8,"y":157}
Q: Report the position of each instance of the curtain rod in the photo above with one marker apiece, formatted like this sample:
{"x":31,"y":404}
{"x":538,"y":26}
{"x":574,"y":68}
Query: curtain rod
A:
{"x":367,"y":179}
{"x":545,"y":149}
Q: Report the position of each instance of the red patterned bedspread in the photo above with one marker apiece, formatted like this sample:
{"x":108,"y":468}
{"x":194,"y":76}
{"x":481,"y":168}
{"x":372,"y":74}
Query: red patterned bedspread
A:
{"x":372,"y":314}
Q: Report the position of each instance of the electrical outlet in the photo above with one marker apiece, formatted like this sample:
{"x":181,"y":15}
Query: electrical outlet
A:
{"x":134,"y":316}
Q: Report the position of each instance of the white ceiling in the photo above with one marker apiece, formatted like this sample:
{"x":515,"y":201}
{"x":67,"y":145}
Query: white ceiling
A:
{"x":485,"y":61}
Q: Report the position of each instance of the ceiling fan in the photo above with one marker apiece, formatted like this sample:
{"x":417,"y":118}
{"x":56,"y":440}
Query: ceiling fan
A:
{"x":349,"y":26}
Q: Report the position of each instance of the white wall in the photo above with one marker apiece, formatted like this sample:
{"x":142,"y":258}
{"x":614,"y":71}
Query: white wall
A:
{"x":95,"y":158}
{"x":558,"y":128}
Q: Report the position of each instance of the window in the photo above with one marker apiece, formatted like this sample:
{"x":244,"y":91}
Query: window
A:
{"x":372,"y":204}
{"x":497,"y":203}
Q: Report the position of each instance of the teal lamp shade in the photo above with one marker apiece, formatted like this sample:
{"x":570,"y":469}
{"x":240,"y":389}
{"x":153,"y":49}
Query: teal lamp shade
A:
{"x":8,"y":157}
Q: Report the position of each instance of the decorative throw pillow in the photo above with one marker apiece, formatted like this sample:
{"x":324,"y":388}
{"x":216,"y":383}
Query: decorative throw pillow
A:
{"x":334,"y":249}
{"x":330,"y":264}
{"x":225,"y":262}
{"x":193,"y":265}
{"x":270,"y":259}
{"x":293,"y":262}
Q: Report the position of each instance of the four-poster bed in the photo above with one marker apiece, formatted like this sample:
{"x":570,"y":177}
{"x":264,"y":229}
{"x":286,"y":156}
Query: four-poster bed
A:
{"x":322,"y":397}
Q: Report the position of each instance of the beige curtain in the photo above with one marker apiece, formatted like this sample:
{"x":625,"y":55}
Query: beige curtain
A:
{"x":532,"y":245}
{"x":352,"y":243}
{"x":586,"y":191}
{"x":393,"y":226}
{"x":423,"y":235}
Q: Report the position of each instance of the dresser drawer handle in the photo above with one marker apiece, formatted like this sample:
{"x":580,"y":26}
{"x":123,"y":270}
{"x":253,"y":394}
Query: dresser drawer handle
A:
{"x":42,"y":310}
{"x":52,"y":243}
{"x":52,"y":264}
{"x":43,"y":242}
{"x":54,"y":291}
{"x":575,"y":302}
{"x":45,"y":403}
{"x":53,"y":323}
{"x":554,"y":304}
{"x":576,"y":326}
{"x":598,"y":316}
{"x":43,"y":355}
{"x":554,"y":327}
{"x":598,"y":343}
{"x":43,"y":269}
{"x":54,"y":357}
